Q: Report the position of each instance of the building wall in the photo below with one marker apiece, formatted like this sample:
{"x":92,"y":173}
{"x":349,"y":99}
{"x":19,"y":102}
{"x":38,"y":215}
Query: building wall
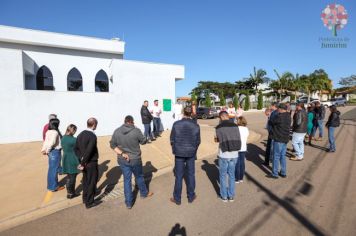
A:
{"x":24,"y":112}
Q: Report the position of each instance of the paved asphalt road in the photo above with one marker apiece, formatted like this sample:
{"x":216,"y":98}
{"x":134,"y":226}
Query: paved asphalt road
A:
{"x":317,"y":198}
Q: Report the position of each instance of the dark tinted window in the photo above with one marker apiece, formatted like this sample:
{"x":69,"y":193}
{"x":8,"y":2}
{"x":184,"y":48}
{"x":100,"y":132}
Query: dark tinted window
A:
{"x":44,"y":79}
{"x":74,"y":80}
{"x":101,"y":82}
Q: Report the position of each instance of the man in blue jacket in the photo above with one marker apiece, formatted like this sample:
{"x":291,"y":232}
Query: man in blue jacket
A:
{"x":185,"y":140}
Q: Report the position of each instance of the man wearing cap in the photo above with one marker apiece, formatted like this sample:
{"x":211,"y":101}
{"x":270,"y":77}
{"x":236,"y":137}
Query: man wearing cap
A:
{"x":280,"y":125}
{"x":185,"y":140}
{"x":45,"y":128}
{"x":300,"y":126}
{"x":126,"y":142}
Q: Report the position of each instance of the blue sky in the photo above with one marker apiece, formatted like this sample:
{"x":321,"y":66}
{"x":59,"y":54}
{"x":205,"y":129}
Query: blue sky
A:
{"x":220,"y":40}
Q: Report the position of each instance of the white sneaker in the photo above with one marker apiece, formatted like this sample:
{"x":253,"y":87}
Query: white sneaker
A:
{"x":224,"y":200}
{"x":231,"y":200}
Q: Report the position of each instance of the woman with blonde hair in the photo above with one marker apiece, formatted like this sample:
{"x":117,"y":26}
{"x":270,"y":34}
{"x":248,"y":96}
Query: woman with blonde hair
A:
{"x":70,"y":160}
{"x":240,"y":164}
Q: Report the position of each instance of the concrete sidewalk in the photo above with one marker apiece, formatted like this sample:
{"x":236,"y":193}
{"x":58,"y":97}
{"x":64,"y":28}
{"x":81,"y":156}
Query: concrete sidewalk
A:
{"x":23,"y":174}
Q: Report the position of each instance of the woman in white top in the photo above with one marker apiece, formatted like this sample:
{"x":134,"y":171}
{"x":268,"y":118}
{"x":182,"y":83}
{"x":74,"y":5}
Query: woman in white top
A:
{"x":240,"y":165}
{"x":232,"y":112}
{"x":52,"y":148}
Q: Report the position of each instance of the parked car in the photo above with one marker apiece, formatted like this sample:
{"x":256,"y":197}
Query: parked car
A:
{"x":218,"y":109}
{"x":206,"y":112}
{"x":338,"y":101}
{"x":305,"y":99}
{"x":324,"y":103}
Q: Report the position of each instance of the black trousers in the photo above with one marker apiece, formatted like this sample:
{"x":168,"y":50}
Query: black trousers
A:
{"x":70,"y":185}
{"x":268,"y":150}
{"x":90,"y":179}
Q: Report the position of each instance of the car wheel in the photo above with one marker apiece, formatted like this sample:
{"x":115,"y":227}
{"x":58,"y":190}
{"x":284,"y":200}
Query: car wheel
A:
{"x":204,"y":116}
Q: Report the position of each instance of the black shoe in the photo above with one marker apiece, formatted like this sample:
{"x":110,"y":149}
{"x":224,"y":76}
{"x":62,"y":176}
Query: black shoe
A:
{"x":265,"y":163}
{"x":193,"y":199}
{"x":283,"y":176}
{"x":94,"y":204}
{"x":72,"y":195}
{"x":272,"y":176}
{"x":174,"y":201}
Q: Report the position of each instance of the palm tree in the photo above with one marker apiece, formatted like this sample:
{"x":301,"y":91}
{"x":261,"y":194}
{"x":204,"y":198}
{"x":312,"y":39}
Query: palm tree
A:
{"x":258,"y":77}
{"x":319,"y":81}
{"x":284,"y":81}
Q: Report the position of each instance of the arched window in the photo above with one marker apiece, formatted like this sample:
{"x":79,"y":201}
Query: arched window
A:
{"x":44,"y":79}
{"x":101,"y":82}
{"x":74,"y":80}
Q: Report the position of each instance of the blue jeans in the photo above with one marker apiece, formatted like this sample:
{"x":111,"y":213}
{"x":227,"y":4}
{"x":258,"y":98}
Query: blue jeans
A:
{"x":240,"y":167}
{"x":298,"y":144}
{"x":227,"y":167}
{"x":54,"y":160}
{"x":279,"y":152}
{"x":319,"y":126}
{"x":184,"y":166}
{"x":331,"y":136}
{"x":148,"y":132}
{"x":129,"y":168}
{"x":156,"y":126}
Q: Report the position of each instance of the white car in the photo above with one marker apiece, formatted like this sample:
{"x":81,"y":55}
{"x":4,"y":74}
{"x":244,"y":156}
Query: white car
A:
{"x":326,"y":103}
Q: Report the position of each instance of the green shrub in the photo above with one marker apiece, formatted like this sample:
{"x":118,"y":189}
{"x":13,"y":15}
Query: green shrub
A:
{"x":260,"y":101}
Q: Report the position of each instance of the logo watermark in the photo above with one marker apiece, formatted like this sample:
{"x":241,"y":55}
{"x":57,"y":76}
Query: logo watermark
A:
{"x":334,"y":18}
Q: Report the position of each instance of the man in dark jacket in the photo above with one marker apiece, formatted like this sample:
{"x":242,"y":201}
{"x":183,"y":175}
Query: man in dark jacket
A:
{"x":185,"y":140}
{"x":333,"y":122}
{"x":147,"y":117}
{"x":269,"y":146}
{"x":126,"y":142}
{"x":300,"y":126}
{"x":280,"y":135}
{"x":87,"y":151}
{"x":319,"y":118}
{"x":228,"y":136}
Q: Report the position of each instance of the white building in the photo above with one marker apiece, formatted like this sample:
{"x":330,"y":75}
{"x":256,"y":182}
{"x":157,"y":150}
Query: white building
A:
{"x":76,"y":78}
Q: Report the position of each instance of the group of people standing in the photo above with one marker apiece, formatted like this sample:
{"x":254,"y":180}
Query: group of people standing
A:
{"x":305,"y":124}
{"x":151,"y":116}
{"x":79,"y":154}
{"x":185,"y":140}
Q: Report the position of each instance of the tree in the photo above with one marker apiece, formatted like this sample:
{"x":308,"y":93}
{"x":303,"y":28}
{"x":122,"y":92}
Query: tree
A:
{"x":258,"y":77}
{"x":284,"y":81}
{"x":319,"y":81}
{"x":222,"y":98}
{"x":247,"y":102}
{"x":260,"y":100}
{"x":348,"y":81}
{"x":235,"y":101}
{"x":193,"y":97}
{"x":208,"y":102}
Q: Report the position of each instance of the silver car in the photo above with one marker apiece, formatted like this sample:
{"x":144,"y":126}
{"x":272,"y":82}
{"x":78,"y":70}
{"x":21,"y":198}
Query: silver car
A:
{"x":338,"y":101}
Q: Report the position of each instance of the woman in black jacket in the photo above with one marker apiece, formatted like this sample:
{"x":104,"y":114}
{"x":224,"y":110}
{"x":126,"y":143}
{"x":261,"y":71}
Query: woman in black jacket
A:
{"x":333,"y":122}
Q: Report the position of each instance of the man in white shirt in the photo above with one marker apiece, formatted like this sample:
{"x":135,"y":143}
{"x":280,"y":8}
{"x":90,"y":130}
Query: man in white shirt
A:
{"x":156,"y":113}
{"x":178,"y":108}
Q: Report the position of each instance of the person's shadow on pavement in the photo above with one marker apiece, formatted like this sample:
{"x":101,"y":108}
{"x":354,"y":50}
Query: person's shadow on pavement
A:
{"x":212,"y":172}
{"x":148,"y":170}
{"x":253,"y":154}
{"x":103,"y":167}
{"x":112,"y":178}
{"x":178,"y":230}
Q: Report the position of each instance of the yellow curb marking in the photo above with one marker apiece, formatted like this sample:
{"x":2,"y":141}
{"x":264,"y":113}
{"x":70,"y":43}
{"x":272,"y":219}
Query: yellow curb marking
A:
{"x":48,"y":197}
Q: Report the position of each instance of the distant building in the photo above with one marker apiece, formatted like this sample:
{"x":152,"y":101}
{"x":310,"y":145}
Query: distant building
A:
{"x":75,"y":77}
